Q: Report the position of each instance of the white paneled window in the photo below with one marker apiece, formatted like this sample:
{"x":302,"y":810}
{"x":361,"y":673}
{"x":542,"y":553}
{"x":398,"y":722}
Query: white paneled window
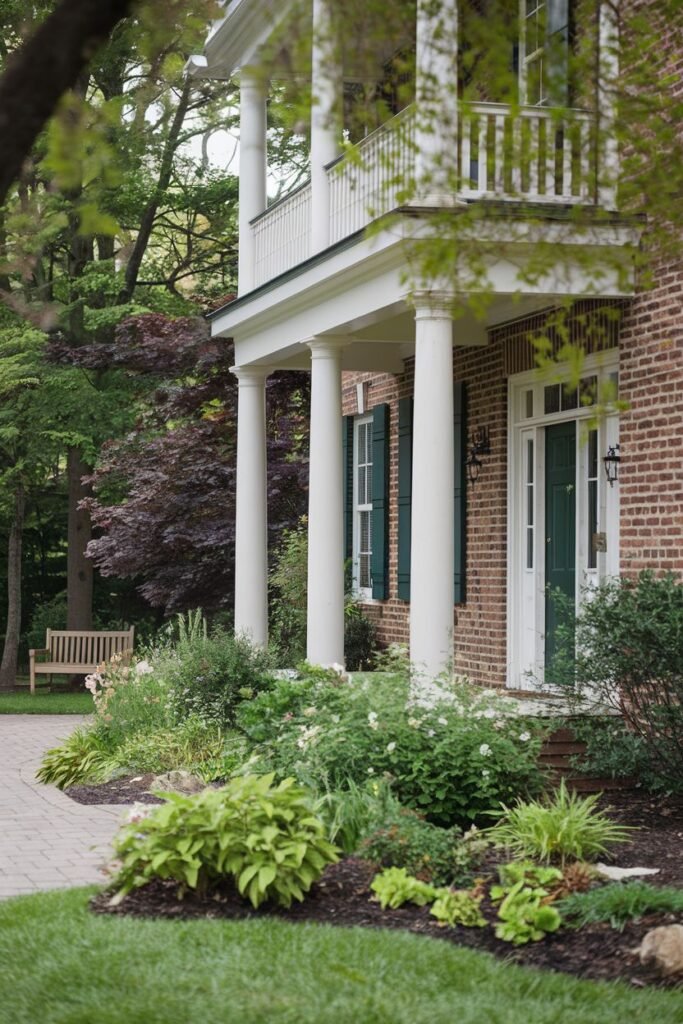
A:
{"x":362,"y":505}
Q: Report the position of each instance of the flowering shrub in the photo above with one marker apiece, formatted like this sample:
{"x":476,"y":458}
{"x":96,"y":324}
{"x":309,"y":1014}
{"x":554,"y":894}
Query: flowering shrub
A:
{"x":455,"y":762}
{"x":129,"y":699}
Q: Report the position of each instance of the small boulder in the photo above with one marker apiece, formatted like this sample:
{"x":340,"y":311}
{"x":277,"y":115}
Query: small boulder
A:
{"x":177,"y":782}
{"x":663,"y":948}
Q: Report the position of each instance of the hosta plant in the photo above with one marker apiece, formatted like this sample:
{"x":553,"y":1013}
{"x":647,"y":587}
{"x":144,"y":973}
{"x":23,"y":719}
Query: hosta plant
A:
{"x":265,"y":836}
{"x":559,"y":827}
{"x":454,"y":906}
{"x":394,"y":887}
{"x":525,"y":892}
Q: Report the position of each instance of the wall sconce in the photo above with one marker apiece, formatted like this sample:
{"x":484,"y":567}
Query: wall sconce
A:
{"x":612,"y":460}
{"x":479,"y":444}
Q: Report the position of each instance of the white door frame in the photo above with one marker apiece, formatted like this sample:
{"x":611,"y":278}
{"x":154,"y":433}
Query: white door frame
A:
{"x":527,"y":421}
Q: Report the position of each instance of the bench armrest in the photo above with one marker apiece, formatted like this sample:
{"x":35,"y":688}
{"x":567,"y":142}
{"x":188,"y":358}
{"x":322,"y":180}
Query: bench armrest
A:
{"x":39,"y":650}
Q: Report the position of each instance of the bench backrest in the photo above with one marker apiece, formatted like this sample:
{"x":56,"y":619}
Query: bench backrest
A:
{"x":87,"y":647}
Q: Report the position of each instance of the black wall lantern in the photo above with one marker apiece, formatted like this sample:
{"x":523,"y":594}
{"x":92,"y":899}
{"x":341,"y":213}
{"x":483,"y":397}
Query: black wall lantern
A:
{"x":479,"y":444}
{"x":612,"y":460}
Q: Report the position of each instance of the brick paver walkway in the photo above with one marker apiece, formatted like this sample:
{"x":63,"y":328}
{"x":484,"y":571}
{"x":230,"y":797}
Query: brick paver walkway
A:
{"x":47,"y":841}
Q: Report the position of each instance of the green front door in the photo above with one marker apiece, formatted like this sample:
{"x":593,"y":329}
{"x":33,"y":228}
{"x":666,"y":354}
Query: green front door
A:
{"x":560,"y":527}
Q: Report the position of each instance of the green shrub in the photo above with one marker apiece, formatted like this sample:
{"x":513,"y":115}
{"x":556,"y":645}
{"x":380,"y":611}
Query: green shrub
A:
{"x":209,"y":674}
{"x":288,"y":589}
{"x":353,"y":812}
{"x":84,"y":757}
{"x":629,"y":656}
{"x":434,"y":854}
{"x":561,"y":825}
{"x":360,"y":639}
{"x":458,"y":907}
{"x":394,"y":886}
{"x":266,"y":837}
{"x":454,"y":762}
{"x":613,"y":751}
{"x":619,"y":903}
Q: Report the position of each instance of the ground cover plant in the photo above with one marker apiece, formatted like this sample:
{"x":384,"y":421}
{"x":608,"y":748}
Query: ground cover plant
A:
{"x":267,"y":971}
{"x":620,"y":902}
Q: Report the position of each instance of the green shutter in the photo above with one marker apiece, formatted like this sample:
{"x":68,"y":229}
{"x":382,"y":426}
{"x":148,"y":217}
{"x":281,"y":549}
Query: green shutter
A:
{"x":347,"y":441}
{"x":405,"y":494}
{"x":380,"y":502}
{"x":460,"y":438}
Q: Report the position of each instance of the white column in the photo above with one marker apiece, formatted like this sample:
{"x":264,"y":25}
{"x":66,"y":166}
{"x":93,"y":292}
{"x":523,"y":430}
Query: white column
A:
{"x":432,"y":537}
{"x":251,"y":526}
{"x":436,"y":94}
{"x":326,"y":102}
{"x":325,"y":637}
{"x":253,"y":168}
{"x":608,"y":150}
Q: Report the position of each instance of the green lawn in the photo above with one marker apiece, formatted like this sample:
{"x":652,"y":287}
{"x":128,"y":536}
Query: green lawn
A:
{"x":42,"y":703}
{"x":62,"y":965}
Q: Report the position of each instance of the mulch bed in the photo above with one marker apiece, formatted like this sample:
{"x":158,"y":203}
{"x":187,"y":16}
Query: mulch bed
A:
{"x":342,"y":897}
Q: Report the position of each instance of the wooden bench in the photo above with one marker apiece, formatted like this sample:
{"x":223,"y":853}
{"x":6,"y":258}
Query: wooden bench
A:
{"x":77,"y":652}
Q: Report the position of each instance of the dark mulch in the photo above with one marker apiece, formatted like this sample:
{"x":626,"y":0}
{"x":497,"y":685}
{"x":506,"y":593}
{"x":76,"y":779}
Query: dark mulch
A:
{"x":342,"y":897}
{"x":128,"y":790}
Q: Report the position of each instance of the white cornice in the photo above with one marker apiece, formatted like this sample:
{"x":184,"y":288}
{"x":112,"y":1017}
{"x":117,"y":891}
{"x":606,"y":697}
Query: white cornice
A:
{"x":236,"y":38}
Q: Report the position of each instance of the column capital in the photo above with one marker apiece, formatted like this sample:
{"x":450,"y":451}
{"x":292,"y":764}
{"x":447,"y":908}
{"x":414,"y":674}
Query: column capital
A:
{"x":430,"y":304}
{"x":250,"y":375}
{"x":332,"y":345}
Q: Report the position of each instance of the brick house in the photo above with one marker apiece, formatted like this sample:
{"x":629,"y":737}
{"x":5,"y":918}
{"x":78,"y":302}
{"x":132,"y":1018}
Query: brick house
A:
{"x":460,"y":481}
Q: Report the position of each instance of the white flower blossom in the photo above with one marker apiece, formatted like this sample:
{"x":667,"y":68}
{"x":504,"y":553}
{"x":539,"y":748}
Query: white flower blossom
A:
{"x":442,"y":721}
{"x":490,"y":713}
{"x":485,"y":750}
{"x":372,"y":720}
{"x":430,"y":732}
{"x":413,"y":722}
{"x":524,"y":736}
{"x":485,"y":772}
{"x":309,"y":712}
{"x":391,"y":747}
{"x":499,"y":724}
{"x":371,"y":771}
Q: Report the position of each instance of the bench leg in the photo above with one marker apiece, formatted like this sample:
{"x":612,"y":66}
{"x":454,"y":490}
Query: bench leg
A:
{"x":32,"y":669}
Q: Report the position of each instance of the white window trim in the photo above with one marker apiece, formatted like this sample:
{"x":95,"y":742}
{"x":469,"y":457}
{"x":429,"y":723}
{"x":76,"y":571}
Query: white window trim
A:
{"x":364,"y":593}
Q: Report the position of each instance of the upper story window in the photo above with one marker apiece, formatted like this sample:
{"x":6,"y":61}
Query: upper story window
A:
{"x":543,"y":52}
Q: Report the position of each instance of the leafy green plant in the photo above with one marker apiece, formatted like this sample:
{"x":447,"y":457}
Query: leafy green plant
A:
{"x":83,"y":757}
{"x":394,"y":887}
{"x":627,"y":656}
{"x":437,"y":855}
{"x":561,"y":825}
{"x":288,"y":589}
{"x":352,"y":812}
{"x":526,"y":890}
{"x":265,"y":836}
{"x":454,"y":906}
{"x":620,"y":902}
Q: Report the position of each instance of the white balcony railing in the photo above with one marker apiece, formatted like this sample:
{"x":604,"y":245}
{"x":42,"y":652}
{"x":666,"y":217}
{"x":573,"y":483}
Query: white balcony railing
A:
{"x":528,"y":155}
{"x":282,"y":235}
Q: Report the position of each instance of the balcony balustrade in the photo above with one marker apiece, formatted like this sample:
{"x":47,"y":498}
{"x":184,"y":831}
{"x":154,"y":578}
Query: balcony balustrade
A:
{"x":530,"y":155}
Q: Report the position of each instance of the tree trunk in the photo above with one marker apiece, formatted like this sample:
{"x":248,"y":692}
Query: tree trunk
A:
{"x":8,"y":668}
{"x":79,"y":569}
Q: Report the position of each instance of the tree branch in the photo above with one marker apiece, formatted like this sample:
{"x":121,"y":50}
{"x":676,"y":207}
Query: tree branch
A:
{"x":42,"y":70}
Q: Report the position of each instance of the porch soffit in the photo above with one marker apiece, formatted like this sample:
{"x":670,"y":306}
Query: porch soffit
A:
{"x":237,"y":37}
{"x":360,"y":290}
